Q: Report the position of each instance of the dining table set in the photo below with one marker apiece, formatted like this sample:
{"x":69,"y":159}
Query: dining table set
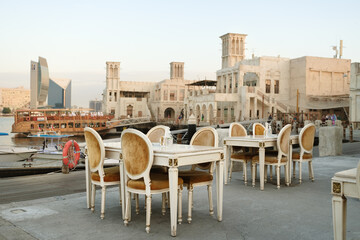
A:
{"x":173,"y":156}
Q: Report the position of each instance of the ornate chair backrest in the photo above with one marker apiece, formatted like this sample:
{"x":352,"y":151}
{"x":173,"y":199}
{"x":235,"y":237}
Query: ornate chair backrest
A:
{"x":95,"y":151}
{"x":155,"y":133}
{"x":306,"y":138}
{"x":258,"y":129}
{"x":206,"y":136}
{"x":237,"y":130}
{"x":137,"y":154}
{"x":283,"y":141}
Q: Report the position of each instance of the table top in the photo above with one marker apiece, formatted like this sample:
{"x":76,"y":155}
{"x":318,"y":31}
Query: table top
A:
{"x":172,"y":149}
{"x":258,"y":138}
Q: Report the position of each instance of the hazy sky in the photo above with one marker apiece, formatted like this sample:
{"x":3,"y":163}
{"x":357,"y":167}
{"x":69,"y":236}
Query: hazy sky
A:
{"x":78,"y":37}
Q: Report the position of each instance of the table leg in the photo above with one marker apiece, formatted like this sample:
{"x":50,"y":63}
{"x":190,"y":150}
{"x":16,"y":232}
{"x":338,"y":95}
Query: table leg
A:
{"x":88,"y":182}
{"x":219,"y":188}
{"x":173,"y":185}
{"x":289,"y":175}
{"x":339,"y":217}
{"x":122,"y":188}
{"x":226,"y":168}
{"x":261,"y":166}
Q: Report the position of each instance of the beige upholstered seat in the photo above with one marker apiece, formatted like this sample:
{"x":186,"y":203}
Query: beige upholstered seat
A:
{"x":100,"y":176}
{"x":279,"y":159}
{"x":206,"y":136}
{"x":306,"y":142}
{"x":239,"y":154}
{"x":137,"y":154}
{"x":155,"y":133}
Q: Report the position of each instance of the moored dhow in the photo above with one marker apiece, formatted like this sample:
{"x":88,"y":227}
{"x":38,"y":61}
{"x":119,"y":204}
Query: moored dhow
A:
{"x":63,"y":121}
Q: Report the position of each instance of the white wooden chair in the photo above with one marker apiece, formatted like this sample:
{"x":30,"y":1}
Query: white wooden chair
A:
{"x":238,"y":130}
{"x":277,"y":159}
{"x":306,"y":142}
{"x":138,"y":156}
{"x":99,"y":176}
{"x":206,"y":136}
{"x":155,"y":133}
{"x":344,"y":184}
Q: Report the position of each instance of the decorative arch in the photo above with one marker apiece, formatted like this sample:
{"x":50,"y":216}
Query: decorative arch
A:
{"x":169,"y":113}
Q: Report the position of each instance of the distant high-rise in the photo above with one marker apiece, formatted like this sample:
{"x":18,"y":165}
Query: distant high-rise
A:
{"x":95,"y":105}
{"x":39,"y":83}
{"x":46,"y":92}
{"x":59,"y":93}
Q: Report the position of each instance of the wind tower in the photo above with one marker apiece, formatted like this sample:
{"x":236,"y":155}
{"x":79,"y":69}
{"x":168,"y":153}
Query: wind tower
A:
{"x":112,"y":86}
{"x":233,"y":49}
{"x":177,"y":70}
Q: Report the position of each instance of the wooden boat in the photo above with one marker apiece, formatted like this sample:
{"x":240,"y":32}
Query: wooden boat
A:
{"x":13,"y":154}
{"x":63,"y":121}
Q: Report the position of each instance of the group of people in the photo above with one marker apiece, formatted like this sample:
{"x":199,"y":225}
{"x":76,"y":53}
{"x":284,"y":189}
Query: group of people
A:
{"x":331,"y":117}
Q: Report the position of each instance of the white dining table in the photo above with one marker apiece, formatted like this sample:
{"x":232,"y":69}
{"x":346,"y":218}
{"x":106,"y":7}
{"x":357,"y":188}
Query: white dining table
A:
{"x":173,"y":157}
{"x":260,"y":142}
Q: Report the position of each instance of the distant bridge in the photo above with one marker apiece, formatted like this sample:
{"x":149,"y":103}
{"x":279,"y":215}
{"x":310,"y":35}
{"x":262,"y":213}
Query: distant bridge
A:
{"x":128,"y":122}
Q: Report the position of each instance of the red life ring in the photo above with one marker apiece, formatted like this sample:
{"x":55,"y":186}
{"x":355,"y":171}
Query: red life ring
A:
{"x":71,"y":154}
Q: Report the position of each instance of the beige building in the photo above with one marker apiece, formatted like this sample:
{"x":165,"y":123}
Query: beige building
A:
{"x":14,"y":98}
{"x":253,"y":88}
{"x":355,"y":94}
{"x":161,"y":101}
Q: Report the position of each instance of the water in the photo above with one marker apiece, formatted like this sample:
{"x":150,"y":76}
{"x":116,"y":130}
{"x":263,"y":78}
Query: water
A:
{"x":13,"y":139}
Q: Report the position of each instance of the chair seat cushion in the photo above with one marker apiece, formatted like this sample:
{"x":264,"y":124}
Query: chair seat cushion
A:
{"x":112,"y":174}
{"x":269,"y":158}
{"x":296,"y":155}
{"x":242,"y":156}
{"x":194,"y":176}
{"x":351,"y":173}
{"x":158,"y":182}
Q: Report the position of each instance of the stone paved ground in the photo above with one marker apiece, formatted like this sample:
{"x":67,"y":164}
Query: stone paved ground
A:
{"x":295,"y":212}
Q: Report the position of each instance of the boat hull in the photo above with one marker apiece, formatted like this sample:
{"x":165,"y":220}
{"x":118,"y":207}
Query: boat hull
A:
{"x":13,"y":154}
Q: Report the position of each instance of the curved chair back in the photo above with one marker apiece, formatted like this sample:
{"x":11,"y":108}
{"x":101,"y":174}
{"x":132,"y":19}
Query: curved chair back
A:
{"x":137,"y":154}
{"x":258,"y":129}
{"x":283,"y":141}
{"x":237,"y":130}
{"x":95,"y":151}
{"x":206,"y":136}
{"x":155,"y":133}
{"x":306,"y":138}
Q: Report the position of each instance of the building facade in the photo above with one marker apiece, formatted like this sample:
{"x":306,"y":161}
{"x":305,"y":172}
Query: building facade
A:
{"x":260,"y":86}
{"x":355,"y":94}
{"x":14,"y":98}
{"x":95,"y":105}
{"x":59,"y":93}
{"x":39,"y":83}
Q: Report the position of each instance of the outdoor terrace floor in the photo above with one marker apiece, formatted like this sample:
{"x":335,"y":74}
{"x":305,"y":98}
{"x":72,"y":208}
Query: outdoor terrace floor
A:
{"x":296,"y":212}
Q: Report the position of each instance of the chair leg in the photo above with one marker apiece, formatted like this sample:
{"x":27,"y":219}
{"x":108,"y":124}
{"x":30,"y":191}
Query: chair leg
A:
{"x":127,"y":208}
{"x":92,"y":204}
{"x":137,"y":210}
{"x":271,"y":173}
{"x":278,"y":176}
{"x":253,"y":174}
{"x":245,"y":172}
{"x":311,"y":170}
{"x":103,"y":195}
{"x":180,"y":205}
{"x":231,"y":169}
{"x":294,"y":169}
{"x":120,"y":195}
{"x":190,"y":193}
{"x":148,"y":213}
{"x":163,"y":204}
{"x":211,"y":207}
{"x":265,"y":174}
{"x":300,"y":171}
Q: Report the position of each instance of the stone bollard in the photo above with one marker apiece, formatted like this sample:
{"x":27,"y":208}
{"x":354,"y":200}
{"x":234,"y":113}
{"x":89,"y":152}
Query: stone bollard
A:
{"x":330,"y":141}
{"x":65,"y":169}
{"x":338,"y":123}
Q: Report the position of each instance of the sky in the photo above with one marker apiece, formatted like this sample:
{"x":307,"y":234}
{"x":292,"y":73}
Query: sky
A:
{"x":78,"y":37}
